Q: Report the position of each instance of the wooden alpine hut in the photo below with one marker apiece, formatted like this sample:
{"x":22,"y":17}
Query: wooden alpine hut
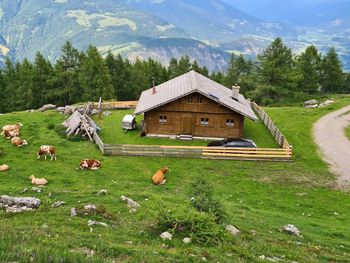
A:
{"x":193,"y":105}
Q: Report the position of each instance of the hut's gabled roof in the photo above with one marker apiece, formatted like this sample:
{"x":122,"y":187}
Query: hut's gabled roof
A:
{"x":189,"y":83}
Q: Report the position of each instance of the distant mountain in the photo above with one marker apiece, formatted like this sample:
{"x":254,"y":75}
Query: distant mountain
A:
{"x":212,"y":21}
{"x":206,"y":30}
{"x":30,"y":26}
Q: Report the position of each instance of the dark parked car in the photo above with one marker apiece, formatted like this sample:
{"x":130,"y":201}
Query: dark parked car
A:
{"x":233,"y":143}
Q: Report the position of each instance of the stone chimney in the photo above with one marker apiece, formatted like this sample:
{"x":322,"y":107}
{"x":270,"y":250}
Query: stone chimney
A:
{"x":154,"y":90}
{"x":235,"y":92}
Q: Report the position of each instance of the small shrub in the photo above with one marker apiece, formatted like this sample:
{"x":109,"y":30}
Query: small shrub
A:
{"x":60,"y":130}
{"x":187,"y":222}
{"x":51,"y":126}
{"x":201,"y":196}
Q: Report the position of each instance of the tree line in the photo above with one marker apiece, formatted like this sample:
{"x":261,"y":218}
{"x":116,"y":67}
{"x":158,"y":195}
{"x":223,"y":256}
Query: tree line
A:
{"x":79,"y":76}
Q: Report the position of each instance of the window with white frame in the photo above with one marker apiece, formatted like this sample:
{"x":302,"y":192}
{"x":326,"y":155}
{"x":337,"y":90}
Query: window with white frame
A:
{"x":163,"y":119}
{"x":230,"y":123}
{"x":204,"y":121}
{"x":199,"y":100}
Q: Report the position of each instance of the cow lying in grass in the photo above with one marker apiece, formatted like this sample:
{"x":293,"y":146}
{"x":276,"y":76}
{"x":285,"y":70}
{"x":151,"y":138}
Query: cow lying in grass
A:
{"x":90,"y":164}
{"x":18,"y":142}
{"x":10,"y":134}
{"x":159,"y":177}
{"x":47,"y":150}
{"x":38,"y":181}
{"x":4,"y":168}
{"x":11,"y":130}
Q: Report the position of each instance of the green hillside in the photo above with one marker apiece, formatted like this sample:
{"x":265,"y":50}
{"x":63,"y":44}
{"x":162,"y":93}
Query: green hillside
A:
{"x":257,"y":196}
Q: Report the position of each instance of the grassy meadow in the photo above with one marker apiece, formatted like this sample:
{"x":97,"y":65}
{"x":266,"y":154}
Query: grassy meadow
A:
{"x":259,"y":196}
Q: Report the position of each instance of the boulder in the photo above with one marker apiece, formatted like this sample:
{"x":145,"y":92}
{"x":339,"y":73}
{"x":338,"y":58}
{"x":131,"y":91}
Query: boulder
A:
{"x":291,"y":229}
{"x":310,"y":102}
{"x":186,"y":240}
{"x":58,"y":204}
{"x":102,"y":192}
{"x":130,"y":202}
{"x":166,"y":236}
{"x":233,"y":230}
{"x":60,"y":109}
{"x":326,"y":103}
{"x":73,"y":212}
{"x":96,"y":223}
{"x":19,"y":204}
{"x":47,"y":107}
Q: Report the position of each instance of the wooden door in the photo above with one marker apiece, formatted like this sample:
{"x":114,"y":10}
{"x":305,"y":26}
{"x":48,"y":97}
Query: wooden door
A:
{"x":187,"y":124}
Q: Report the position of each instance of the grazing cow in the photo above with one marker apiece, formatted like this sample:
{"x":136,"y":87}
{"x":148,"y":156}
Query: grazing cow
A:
{"x":10,"y":134}
{"x":159,"y":176}
{"x":18,"y":142}
{"x":47,"y":150}
{"x":38,"y":181}
{"x":90,"y":164}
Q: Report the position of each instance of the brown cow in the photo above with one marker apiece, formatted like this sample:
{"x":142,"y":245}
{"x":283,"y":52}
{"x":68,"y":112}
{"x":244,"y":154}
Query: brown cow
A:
{"x":90,"y":164}
{"x":18,"y":142}
{"x":47,"y":150}
{"x":10,"y":134}
{"x":159,"y":176}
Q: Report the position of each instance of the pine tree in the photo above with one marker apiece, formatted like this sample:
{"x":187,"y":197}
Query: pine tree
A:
{"x":3,"y":92}
{"x":332,"y":77}
{"x":309,"y":69}
{"x":43,"y":73}
{"x":10,"y":89}
{"x":25,"y":93}
{"x":139,"y":79}
{"x":201,"y":70}
{"x":238,"y":72}
{"x":94,"y":77}
{"x":66,"y":83}
{"x":276,"y":65}
{"x":346,"y":88}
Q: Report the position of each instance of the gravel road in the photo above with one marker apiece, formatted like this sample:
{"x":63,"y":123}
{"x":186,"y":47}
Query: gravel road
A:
{"x":334,"y":145}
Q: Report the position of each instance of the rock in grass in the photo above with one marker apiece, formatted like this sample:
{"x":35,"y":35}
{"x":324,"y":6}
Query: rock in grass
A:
{"x":186,"y":240}
{"x":166,"y":236}
{"x":19,"y":204}
{"x":89,"y":207}
{"x":291,"y":229}
{"x":96,"y":223}
{"x":47,"y":107}
{"x":58,"y":204}
{"x":73,"y":212}
{"x":130,"y":202}
{"x":102,"y":192}
{"x":36,"y":189}
{"x":233,"y":230}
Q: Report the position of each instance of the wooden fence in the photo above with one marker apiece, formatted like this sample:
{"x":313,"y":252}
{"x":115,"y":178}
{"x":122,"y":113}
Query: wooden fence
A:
{"x":277,"y":135}
{"x":113,"y":105}
{"x":262,"y":154}
{"x":252,"y":154}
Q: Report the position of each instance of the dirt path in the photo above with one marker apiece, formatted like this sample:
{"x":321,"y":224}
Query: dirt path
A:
{"x":334,"y":145}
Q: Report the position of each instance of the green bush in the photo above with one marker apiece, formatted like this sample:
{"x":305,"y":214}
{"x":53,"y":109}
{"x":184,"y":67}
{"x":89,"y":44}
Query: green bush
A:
{"x":187,"y":222}
{"x":201,"y":196}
